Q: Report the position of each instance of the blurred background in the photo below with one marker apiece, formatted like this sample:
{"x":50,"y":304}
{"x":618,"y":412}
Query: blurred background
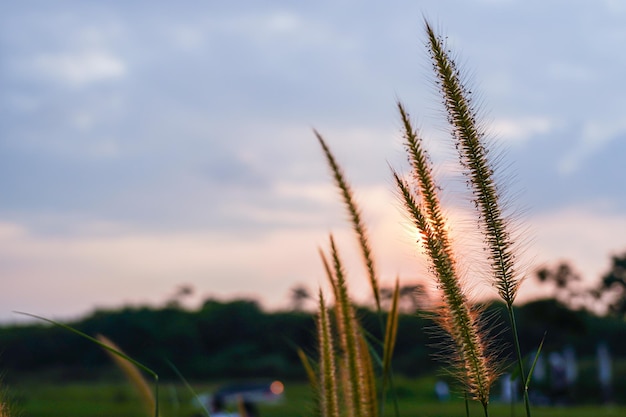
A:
{"x":158,"y":165}
{"x":148,"y":145}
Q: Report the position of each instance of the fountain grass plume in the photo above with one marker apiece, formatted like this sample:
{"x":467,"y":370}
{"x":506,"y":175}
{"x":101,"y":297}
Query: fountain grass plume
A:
{"x":355,"y":217}
{"x":354,"y":214}
{"x":369,"y":398}
{"x":469,"y":138}
{"x":467,"y":330}
{"x":356,"y":374}
{"x":329,"y":273}
{"x":455,"y":315}
{"x":422,"y":174}
{"x":327,"y":385}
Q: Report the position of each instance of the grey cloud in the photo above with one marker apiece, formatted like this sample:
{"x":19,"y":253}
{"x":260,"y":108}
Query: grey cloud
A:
{"x":205,"y":87}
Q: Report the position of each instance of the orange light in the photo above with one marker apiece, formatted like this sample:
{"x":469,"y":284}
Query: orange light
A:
{"x":277,"y":387}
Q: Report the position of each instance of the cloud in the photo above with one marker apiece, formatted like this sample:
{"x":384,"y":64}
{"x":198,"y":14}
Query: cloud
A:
{"x":261,"y":27}
{"x":191,"y":127}
{"x":522,"y":128}
{"x":91,"y":266}
{"x":107,"y":259}
{"x":583,"y":235}
{"x":615,"y":6}
{"x":10,"y":231}
{"x":80,"y":68}
{"x":60,"y":275}
{"x":570,"y":72}
{"x":595,"y":137}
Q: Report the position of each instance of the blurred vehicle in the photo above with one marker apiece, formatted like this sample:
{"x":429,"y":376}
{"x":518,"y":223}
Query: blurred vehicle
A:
{"x":232,"y":399}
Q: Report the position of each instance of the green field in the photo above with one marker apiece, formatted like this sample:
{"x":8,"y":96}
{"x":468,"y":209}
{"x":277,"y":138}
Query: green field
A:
{"x":416,"y":398}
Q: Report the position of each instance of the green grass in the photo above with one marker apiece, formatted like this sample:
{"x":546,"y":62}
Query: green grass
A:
{"x":100,"y":399}
{"x":85,"y":400}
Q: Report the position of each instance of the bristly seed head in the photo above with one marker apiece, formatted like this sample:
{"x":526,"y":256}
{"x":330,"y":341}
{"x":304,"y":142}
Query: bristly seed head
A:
{"x":455,"y":315}
{"x":473,"y":156}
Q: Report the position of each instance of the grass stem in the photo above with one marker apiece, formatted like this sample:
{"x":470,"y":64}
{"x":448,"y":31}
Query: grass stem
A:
{"x":520,"y":359}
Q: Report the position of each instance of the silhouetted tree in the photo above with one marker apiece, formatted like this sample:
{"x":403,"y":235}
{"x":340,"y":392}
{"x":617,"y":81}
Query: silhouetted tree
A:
{"x":299,"y":295}
{"x":412,"y":297}
{"x":182,"y":292}
{"x":612,"y":288}
{"x":566,"y":285}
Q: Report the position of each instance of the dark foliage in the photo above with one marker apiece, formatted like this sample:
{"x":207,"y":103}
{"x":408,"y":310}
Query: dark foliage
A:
{"x":612,"y":289}
{"x":238,"y":339}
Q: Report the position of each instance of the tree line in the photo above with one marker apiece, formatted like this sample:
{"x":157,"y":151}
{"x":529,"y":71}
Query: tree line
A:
{"x":238,"y":339}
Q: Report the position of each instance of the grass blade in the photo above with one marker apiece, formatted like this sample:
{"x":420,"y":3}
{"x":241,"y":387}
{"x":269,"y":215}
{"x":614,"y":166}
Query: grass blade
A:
{"x":390,"y":334}
{"x":308,"y":368}
{"x":532,"y":368}
{"x":188,"y":386}
{"x":132,"y":374}
{"x":392,"y":327}
{"x":109,"y":349}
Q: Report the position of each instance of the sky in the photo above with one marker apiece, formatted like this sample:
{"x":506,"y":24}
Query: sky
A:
{"x":149,"y":145}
